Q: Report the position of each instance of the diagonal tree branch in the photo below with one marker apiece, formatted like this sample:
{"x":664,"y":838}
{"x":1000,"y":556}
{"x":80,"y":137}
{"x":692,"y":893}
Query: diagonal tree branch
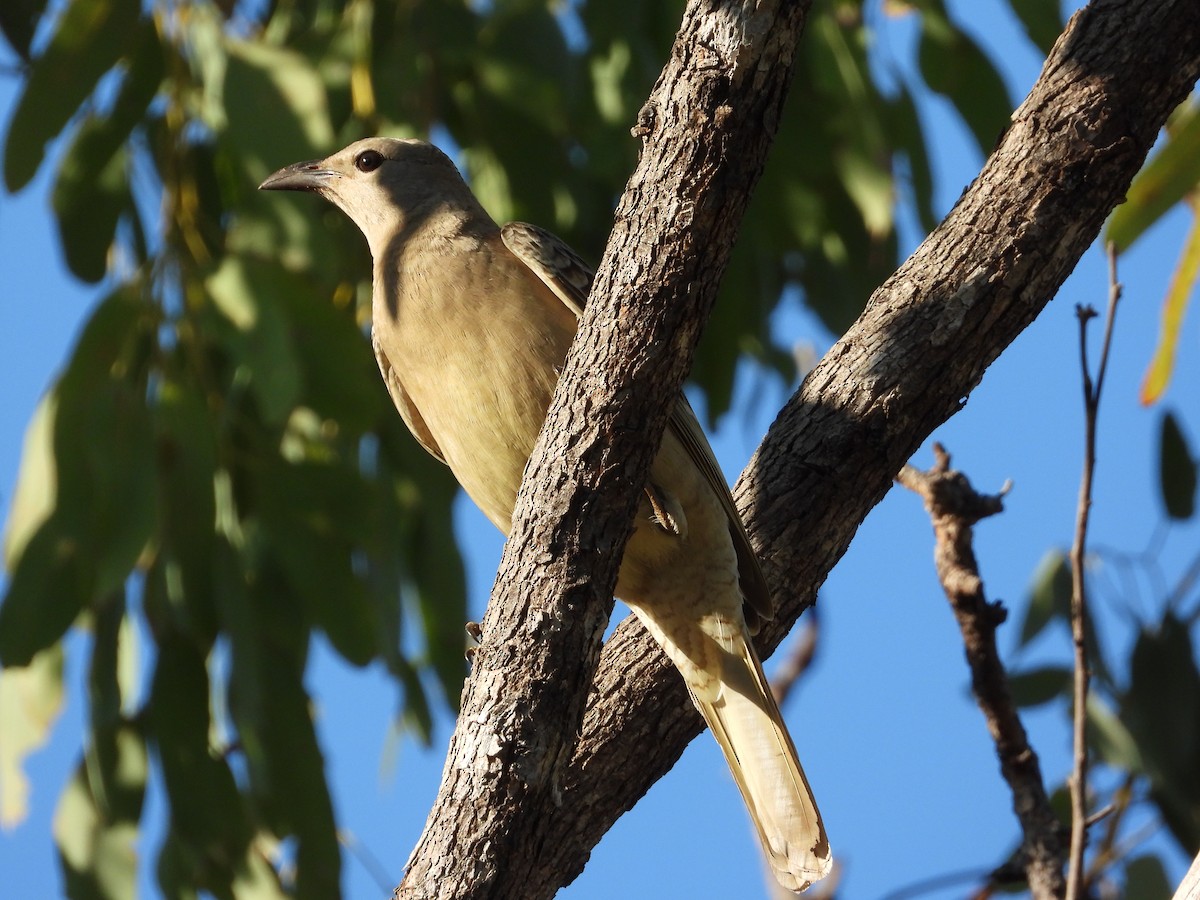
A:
{"x":923,"y":343}
{"x":706,"y":130}
{"x":511,"y":819}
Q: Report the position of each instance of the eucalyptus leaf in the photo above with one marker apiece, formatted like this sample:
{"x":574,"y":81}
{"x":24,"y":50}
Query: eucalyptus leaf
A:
{"x":90,"y":38}
{"x":1176,"y":470}
{"x":31,"y":699}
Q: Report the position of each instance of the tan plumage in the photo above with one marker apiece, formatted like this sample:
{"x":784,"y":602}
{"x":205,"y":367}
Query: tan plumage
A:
{"x":470,"y":323}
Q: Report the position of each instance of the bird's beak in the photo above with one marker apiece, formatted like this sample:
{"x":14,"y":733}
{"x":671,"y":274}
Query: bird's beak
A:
{"x":302,"y":176}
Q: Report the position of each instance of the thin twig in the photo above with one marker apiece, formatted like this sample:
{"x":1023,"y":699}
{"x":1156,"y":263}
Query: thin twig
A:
{"x":1091,"y":405}
{"x":797,"y":661}
{"x":954,"y":506}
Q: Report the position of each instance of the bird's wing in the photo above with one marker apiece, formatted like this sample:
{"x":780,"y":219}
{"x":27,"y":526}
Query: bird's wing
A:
{"x":404,"y":404}
{"x":565,"y":273}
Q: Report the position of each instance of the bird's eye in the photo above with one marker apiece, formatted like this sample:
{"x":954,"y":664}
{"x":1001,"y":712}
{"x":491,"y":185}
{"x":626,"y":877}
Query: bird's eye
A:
{"x":368,"y":161}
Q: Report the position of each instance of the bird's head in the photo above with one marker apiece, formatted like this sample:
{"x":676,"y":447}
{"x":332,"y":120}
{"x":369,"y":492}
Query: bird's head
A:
{"x":384,"y":185}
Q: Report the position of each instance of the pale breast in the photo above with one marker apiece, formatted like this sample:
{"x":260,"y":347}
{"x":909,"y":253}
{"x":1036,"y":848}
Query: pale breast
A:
{"x":476,"y":340}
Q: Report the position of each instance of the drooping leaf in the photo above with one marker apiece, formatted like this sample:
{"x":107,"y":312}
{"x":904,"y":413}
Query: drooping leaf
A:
{"x":1049,"y":596}
{"x":255,"y":331}
{"x":1162,"y":711}
{"x":1176,"y":470}
{"x":312,"y":515}
{"x":104,"y":494}
{"x":339,"y":372}
{"x":1146,"y":879}
{"x":46,"y":591}
{"x":181,"y":587}
{"x":18,"y":19}
{"x":1179,"y":294}
{"x":37,"y":483}
{"x":209,"y":822}
{"x":90,"y":194}
{"x":97,"y":834}
{"x":904,"y":126}
{"x":430,"y":561}
{"x":91,"y":37}
{"x":1042,"y":20}
{"x":1109,"y":738}
{"x":275,"y":102}
{"x":1165,"y":180}
{"x":954,"y":66}
{"x":1040,"y":685}
{"x":105,"y":451}
{"x":272,"y":714}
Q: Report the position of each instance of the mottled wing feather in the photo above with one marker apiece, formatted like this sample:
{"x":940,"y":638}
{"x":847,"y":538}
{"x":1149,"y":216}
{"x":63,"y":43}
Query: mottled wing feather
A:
{"x":565,"y":273}
{"x":560,"y":267}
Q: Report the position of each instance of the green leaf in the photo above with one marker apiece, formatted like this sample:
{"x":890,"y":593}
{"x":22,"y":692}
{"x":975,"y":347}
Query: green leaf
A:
{"x":91,"y":37}
{"x":251,"y":300}
{"x":418,"y":492}
{"x":1049,"y":596}
{"x":37,"y":480}
{"x":1109,"y":737}
{"x":97,"y":842}
{"x":1042,"y":20}
{"x":272,"y":713}
{"x":105,"y":450}
{"x":955,"y":67}
{"x":209,"y":822}
{"x":1041,"y":685}
{"x":92,"y":190}
{"x":31,"y":700}
{"x":18,"y":20}
{"x":46,"y":591}
{"x":104,"y":498}
{"x":1176,"y":470}
{"x":186,"y":455}
{"x":276,"y":105}
{"x":1162,"y":711}
{"x":90,"y":194}
{"x":1146,"y":879}
{"x":340,"y":375}
{"x":904,"y":126}
{"x":1164,"y":180}
{"x":312,"y":517}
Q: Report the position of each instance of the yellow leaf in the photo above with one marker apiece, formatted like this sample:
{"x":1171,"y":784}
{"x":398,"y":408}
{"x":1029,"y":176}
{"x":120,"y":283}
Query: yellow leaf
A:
{"x":1174,"y":305}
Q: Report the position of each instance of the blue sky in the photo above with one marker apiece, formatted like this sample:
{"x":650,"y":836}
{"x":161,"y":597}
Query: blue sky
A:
{"x":892,"y":742}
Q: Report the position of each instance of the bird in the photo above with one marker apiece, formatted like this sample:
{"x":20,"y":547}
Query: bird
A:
{"x":470,"y":324}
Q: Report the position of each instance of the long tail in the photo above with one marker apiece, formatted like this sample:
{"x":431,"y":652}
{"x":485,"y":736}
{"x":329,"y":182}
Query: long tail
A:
{"x":746,"y":722}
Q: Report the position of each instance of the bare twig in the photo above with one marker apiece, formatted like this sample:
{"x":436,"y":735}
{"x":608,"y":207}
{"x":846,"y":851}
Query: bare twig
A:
{"x":954,"y":506}
{"x":1106,"y":851}
{"x":1091,"y":404}
{"x":798,"y":659}
{"x":937,"y":883}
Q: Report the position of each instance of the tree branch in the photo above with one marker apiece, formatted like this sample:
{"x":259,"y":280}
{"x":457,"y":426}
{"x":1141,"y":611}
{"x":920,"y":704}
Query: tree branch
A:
{"x":919,"y":348}
{"x":922,"y":344}
{"x":706,"y":130}
{"x":955,"y":507}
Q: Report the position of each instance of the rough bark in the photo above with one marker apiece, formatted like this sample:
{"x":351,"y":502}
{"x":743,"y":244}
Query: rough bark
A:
{"x":705,"y":130}
{"x":511,"y":818}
